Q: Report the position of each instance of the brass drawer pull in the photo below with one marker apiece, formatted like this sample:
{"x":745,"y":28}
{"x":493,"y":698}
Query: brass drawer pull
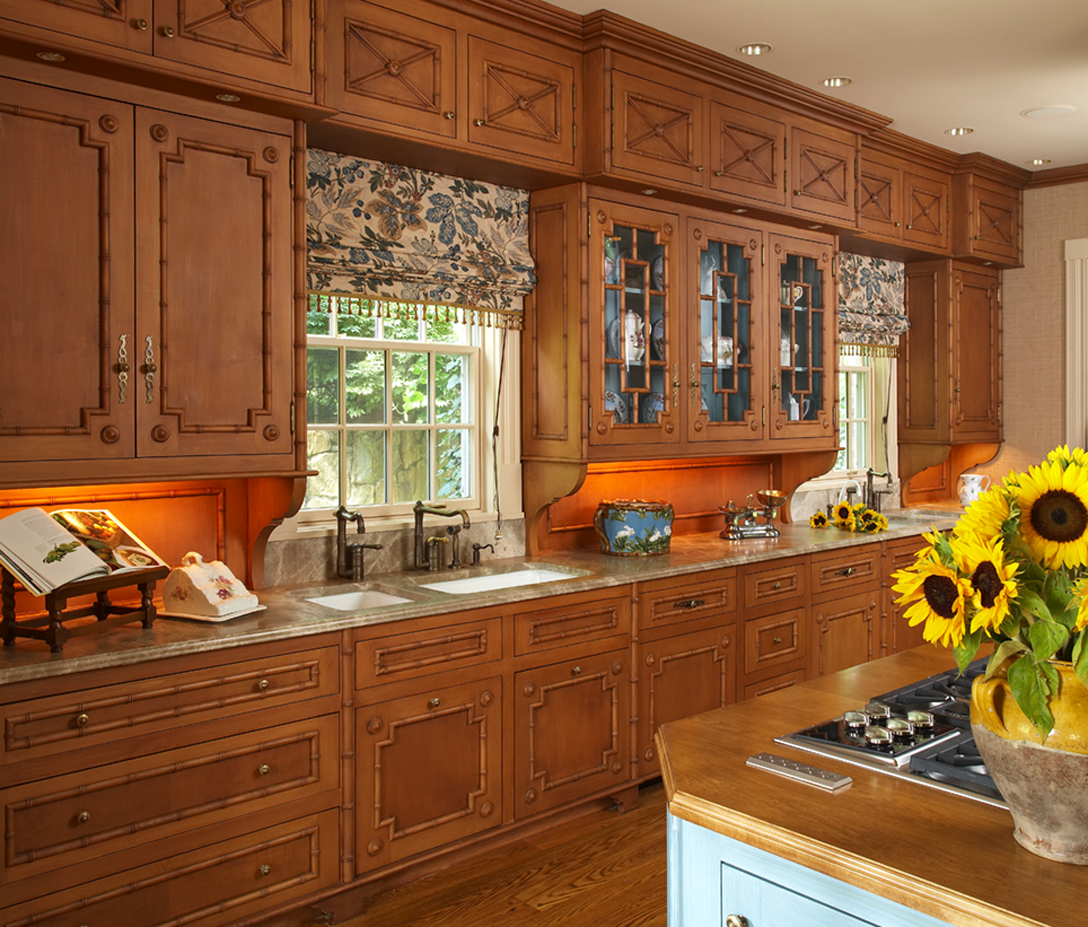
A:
{"x":576,"y":671}
{"x":83,"y":817}
{"x":778,"y":640}
{"x":264,"y":769}
{"x":262,"y":684}
{"x":265,"y":869}
{"x":846,"y":571}
{"x":434,"y":702}
{"x":83,"y":719}
{"x":776,"y":585}
{"x":690,"y":603}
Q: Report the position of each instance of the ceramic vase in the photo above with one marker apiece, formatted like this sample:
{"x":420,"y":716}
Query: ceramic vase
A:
{"x":1044,"y":785}
{"x":633,"y":527}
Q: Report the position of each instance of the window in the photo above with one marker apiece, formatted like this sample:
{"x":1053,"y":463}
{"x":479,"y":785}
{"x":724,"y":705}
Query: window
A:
{"x":855,"y":413}
{"x":393,"y":407}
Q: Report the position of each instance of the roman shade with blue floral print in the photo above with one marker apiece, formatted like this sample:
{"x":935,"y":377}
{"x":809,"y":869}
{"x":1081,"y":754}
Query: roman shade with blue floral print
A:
{"x":399,"y":242}
{"x":872,"y":305}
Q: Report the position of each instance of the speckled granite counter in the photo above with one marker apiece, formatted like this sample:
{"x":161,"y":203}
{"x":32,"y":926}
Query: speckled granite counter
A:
{"x":288,"y":614}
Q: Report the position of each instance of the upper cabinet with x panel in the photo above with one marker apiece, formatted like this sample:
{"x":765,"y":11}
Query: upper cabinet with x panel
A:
{"x":987,"y":222}
{"x":452,"y":80}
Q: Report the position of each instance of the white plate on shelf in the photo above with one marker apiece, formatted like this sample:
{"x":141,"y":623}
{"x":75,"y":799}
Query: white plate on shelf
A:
{"x":614,"y":403}
{"x":649,"y":406}
{"x":214,"y":619}
{"x":657,"y":338}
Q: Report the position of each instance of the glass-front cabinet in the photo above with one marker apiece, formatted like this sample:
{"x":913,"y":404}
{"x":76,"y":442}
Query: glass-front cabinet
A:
{"x":634,"y":362}
{"x":803,"y":348}
{"x":725,"y":383}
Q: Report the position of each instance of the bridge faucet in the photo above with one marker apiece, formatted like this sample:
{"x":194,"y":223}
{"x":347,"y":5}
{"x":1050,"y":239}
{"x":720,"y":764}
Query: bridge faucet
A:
{"x":422,"y":554}
{"x":871,"y":494}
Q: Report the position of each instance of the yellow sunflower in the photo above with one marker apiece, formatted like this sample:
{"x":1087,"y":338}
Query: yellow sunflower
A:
{"x":1080,"y":593}
{"x":844,"y":516}
{"x":1064,"y":455}
{"x":985,"y":515}
{"x":993,"y":582}
{"x":819,"y":520}
{"x":936,"y":596}
{"x":1054,"y":514}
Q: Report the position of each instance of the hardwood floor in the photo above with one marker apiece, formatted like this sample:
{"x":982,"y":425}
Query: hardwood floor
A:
{"x":604,"y":869}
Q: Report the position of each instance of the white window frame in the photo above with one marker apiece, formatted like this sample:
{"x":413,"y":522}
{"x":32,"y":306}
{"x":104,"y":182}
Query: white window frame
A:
{"x":497,"y":474}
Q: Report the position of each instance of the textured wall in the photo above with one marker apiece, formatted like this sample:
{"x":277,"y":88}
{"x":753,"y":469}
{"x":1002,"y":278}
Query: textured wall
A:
{"x":1034,"y":328}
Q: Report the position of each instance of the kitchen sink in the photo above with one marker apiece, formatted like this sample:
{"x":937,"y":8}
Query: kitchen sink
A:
{"x":511,"y":580}
{"x":357,"y":600}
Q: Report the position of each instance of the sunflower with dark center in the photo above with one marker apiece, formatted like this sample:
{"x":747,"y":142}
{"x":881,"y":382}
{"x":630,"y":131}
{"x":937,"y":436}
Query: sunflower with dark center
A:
{"x":992,"y":578}
{"x":1054,"y":514}
{"x":936,"y":597}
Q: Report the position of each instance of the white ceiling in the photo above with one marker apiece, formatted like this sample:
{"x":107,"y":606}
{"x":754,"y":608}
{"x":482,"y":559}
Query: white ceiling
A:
{"x":928,"y":65}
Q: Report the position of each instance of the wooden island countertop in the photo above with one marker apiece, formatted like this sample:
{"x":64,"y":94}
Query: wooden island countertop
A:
{"x":941,"y":854}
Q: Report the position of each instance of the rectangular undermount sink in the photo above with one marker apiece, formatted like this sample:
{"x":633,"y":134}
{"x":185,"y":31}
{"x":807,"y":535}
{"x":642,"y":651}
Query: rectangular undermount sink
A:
{"x":358,"y":600}
{"x":512,"y":580}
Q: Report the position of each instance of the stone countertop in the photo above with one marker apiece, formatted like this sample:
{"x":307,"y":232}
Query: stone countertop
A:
{"x":287,"y":614}
{"x":937,"y":852}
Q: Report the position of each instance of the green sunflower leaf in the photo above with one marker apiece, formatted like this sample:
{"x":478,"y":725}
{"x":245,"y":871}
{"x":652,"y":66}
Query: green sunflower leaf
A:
{"x":1033,"y":603}
{"x":967,"y":649}
{"x":1047,"y":638}
{"x":1029,"y":691}
{"x":1080,"y":657}
{"x":1006,"y":650}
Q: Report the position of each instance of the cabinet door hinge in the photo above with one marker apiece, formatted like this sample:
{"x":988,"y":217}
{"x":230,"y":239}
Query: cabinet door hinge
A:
{"x":589,"y":226}
{"x":762,"y":255}
{"x":292,"y":418}
{"x":291,"y":172}
{"x":763,"y":415}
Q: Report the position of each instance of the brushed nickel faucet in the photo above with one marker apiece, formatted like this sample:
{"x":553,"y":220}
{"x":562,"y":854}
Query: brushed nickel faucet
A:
{"x":423,"y":549}
{"x":349,"y":557}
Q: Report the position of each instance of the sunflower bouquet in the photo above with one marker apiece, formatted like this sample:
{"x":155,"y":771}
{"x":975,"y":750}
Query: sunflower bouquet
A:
{"x":849,"y":517}
{"x":1014,"y":571}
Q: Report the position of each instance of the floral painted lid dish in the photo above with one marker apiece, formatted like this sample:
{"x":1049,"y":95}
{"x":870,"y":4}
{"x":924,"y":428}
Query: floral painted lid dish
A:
{"x":205,"y":590}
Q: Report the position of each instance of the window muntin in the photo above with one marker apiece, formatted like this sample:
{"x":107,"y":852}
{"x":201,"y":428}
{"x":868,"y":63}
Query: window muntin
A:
{"x":393,"y":410}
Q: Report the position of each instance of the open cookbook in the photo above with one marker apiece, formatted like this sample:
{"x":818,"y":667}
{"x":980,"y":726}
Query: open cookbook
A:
{"x":44,"y":551}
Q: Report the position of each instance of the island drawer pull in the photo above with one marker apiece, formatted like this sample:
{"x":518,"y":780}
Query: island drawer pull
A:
{"x":736,"y":920}
{"x":846,"y":571}
{"x":689,"y":603}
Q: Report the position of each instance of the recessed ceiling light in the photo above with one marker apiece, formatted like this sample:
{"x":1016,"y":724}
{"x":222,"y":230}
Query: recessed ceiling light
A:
{"x":836,"y":81}
{"x":1049,"y":112}
{"x":756,"y":48}
{"x":51,"y":56}
{"x":1039,"y":161}
{"x":959,"y":130}
{"x":227,"y":98}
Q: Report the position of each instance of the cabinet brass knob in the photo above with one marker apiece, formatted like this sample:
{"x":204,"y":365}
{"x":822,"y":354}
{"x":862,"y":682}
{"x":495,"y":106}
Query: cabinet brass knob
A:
{"x":448,"y":114}
{"x":262,"y":684}
{"x":699,"y":169}
{"x":778,"y":640}
{"x":846,"y":571}
{"x":736,"y":920}
{"x":719,"y":173}
{"x":167,"y":32}
{"x":576,"y":671}
{"x":140,"y":24}
{"x":265,"y":869}
{"x":83,"y":720}
{"x":83,"y":817}
{"x":478,"y":122}
{"x":264,"y":769}
{"x":776,"y":585}
{"x":434,"y":702}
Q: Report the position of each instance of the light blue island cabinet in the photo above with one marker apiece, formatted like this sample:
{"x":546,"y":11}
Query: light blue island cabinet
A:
{"x":750,"y":849}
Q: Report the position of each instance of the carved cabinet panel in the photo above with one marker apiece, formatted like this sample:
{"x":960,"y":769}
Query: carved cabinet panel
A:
{"x":107,"y":21}
{"x":900,"y":204}
{"x":428,"y":770}
{"x":571,"y":731}
{"x":988,"y":220}
{"x":657,"y":130}
{"x":391,"y":67}
{"x":976,"y":353}
{"x":821,"y":178}
{"x":66,"y":334}
{"x":748,"y":154}
{"x":520,"y":102}
{"x":845,"y":632}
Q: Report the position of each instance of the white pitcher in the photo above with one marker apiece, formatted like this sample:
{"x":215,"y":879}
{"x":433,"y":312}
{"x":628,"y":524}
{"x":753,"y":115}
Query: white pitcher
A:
{"x":972,"y":485}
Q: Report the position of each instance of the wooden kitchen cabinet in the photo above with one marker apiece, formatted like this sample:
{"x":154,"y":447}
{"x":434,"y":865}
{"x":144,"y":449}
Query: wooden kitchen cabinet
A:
{"x":572,"y":733}
{"x":414,"y":70}
{"x":774,"y":620}
{"x":403,"y":805}
{"x":263,"y":41}
{"x":176,"y":269}
{"x":988,"y":220}
{"x":950,"y":371}
{"x":845,"y":625}
{"x":748,"y":146}
{"x":899,"y":201}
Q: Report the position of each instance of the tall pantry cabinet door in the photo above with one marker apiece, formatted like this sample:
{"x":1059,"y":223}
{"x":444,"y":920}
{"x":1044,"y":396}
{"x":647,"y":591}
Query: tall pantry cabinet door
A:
{"x":214,"y":335}
{"x":66,"y":331}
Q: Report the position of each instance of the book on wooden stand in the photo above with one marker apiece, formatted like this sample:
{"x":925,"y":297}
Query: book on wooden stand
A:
{"x":67,"y":554}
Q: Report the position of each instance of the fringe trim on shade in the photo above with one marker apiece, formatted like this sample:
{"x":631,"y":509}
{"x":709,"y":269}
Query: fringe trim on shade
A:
{"x":868,"y":350}
{"x":335,"y":303}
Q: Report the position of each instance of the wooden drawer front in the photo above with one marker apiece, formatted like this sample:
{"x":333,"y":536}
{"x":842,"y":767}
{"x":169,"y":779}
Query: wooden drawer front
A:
{"x":571,"y":624}
{"x":780,"y":582}
{"x":66,"y":820}
{"x":660,"y":605}
{"x":756,"y":689}
{"x":214,"y":885}
{"x":420,"y":653}
{"x":402,"y":806}
{"x":774,"y":640}
{"x":47,"y":726}
{"x":848,"y":571}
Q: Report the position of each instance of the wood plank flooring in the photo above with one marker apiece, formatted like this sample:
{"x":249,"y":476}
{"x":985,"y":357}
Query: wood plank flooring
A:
{"x":604,"y":869}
